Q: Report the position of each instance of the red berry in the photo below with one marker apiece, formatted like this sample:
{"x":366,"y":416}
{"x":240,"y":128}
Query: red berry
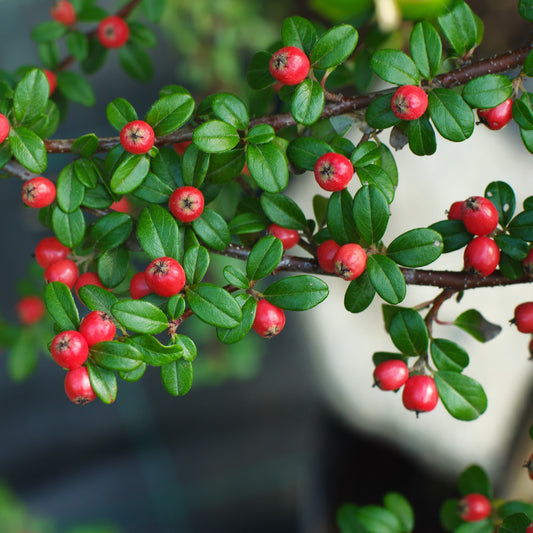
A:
{"x":137,"y":137}
{"x":165,"y":276}
{"x":391,"y":374}
{"x":479,"y":215}
{"x":87,"y":278}
{"x":474,"y":507}
{"x":38,"y":192}
{"x":333,"y":171}
{"x":180,"y":147}
{"x":4,"y":128}
{"x":527,"y":263}
{"x":529,"y":529}
{"x":113,"y":32}
{"x":63,"y":12}
{"x":186,"y":203}
{"x":529,"y":466}
{"x":65,"y":271}
{"x":523,"y":317}
{"x":138,"y":286}
{"x":325,"y":254}
{"x":289,"y":65}
{"x":482,"y":256}
{"x":30,"y":309}
{"x":288,"y":237}
{"x":269,"y":319}
{"x":78,"y":386}
{"x":97,"y":326}
{"x":420,"y":394}
{"x":350,"y":261}
{"x":49,"y":250}
{"x":409,"y":102}
{"x":69,"y":349}
{"x":122,"y":206}
{"x":454,"y":213}
{"x":497,"y":117}
{"x":52,"y":80}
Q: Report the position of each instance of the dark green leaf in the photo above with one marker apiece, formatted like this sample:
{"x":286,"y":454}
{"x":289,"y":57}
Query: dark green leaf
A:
{"x":158,"y":233}
{"x":527,"y":139}
{"x":258,"y":75}
{"x":96,"y":58}
{"x":299,"y":32}
{"x":387,"y":278}
{"x":305,"y":151}
{"x":115,"y":355}
{"x":60,"y":304}
{"x":366,"y":153}
{"x":422,"y":140}
{"x":525,"y":8}
{"x":195,"y":263}
{"x":135,"y":61}
{"x":48,"y":31}
{"x":451,"y":115}
{"x":28,"y":149}
{"x":30,"y":96}
{"x":248,"y":223}
{"x":474,"y":479}
{"x":268,"y":166}
{"x":194,"y":165}
{"x":371,"y":213}
{"x":340,"y":218}
{"x":487,"y":91}
{"x":517,"y":523}
{"x":521,"y":227}
{"x":69,"y":191}
{"x":22,"y":358}
{"x":78,"y":45}
{"x":448,"y":356}
{"x":86,"y":145}
{"x":515,"y":248}
{"x":297,"y":293}
{"x":130,"y":173}
{"x":359,"y":294}
{"x":408,"y":332}
{"x":133,"y":375}
{"x":264,"y":257}
{"x":153,"y":9}
{"x":75,"y":88}
{"x":449,"y":516}
{"x":374,"y":175}
{"x":98,"y":197}
{"x":171,"y":112}
{"x":523,"y":111}
{"x":215,"y":136}
{"x":212,"y":229}
{"x":111,"y":230}
{"x":153,"y":352}
{"x":141,"y":34}
{"x":103,"y":382}
{"x":401,"y":508}
{"x":308,"y":102}
{"x":459,"y":26}
{"x":231,"y":109}
{"x":260,"y":134}
{"x":334,"y":47}
{"x":377,"y":519}
{"x":395,"y":67}
{"x":509,"y":267}
{"x":283,"y":211}
{"x":426,"y":48}
{"x":527,"y":67}
{"x":482,"y":526}
{"x":112,"y":266}
{"x":515,"y":506}
{"x":214,"y":305}
{"x":453,"y":233}
{"x":69,"y":227}
{"x":177,"y":377}
{"x":502,"y":196}
{"x":140,"y":316}
{"x":97,"y":299}
{"x":232,"y":335}
{"x":379,"y":114}
{"x":235,"y":277}
{"x":476,"y":325}
{"x":120,"y":112}
{"x":87,"y":172}
{"x":347,"y":519}
{"x":416,"y":248}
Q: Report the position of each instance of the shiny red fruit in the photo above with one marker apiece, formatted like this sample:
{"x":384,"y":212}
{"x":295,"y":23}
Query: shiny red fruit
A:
{"x":78,"y":386}
{"x":63,"y":12}
{"x":138,"y":286}
{"x":87,"y":278}
{"x":122,"y":206}
{"x":479,"y":215}
{"x":165,"y":276}
{"x":289,"y":65}
{"x":49,"y":250}
{"x":474,"y":507}
{"x":186,"y":203}
{"x":65,"y":271}
{"x":30,"y":309}
{"x":454,"y":213}
{"x":391,"y":374}
{"x":497,"y":117}
{"x":38,"y":192}
{"x":409,"y":102}
{"x":181,"y":147}
{"x":325,"y":254}
{"x":523,"y":317}
{"x":113,"y":32}
{"x":69,"y":349}
{"x":420,"y":394}
{"x":333,"y":172}
{"x":52,"y":80}
{"x":137,"y":137}
{"x":350,"y":261}
{"x":288,"y":237}
{"x":269,"y":319}
{"x":481,"y":256}
{"x":97,"y":326}
{"x":4,"y":128}
{"x":529,"y":529}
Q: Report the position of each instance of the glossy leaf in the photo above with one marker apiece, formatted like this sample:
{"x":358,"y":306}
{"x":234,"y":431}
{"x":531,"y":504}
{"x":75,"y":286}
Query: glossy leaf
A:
{"x":103,"y":382}
{"x":153,"y":352}
{"x":248,"y":223}
{"x":30,"y":96}
{"x":260,"y":134}
{"x":112,"y":266}
{"x":86,"y":145}
{"x":487,"y":91}
{"x":371,"y":213}
{"x":395,"y":67}
{"x":68,"y":227}
{"x":140,"y":316}
{"x":299,"y":32}
{"x":130,"y":174}
{"x":448,"y":355}
{"x":213,"y":305}
{"x":359,"y":294}
{"x":158,"y":233}
{"x":195,"y":263}
{"x":111,"y":230}
{"x":231,"y":109}
{"x":264,"y":257}
{"x":87,"y":172}
{"x":226,"y":166}
{"x":212,"y":229}
{"x":215,"y":136}
{"x":115,"y":355}
{"x":268,"y":166}
{"x":305,"y":151}
{"x":28,"y":149}
{"x":416,"y":247}
{"x":235,"y":277}
{"x":177,"y":377}
{"x":258,"y":74}
{"x":194,"y":165}
{"x":523,"y":111}
{"x":521,"y":226}
{"x":374,"y":175}
{"x":297,"y":293}
{"x":334,"y":47}
{"x":170,"y":112}
{"x":308,"y":102}
{"x":422,"y":140}
{"x":340,"y":218}
{"x":453,"y":233}
{"x":408,"y":332}
{"x":97,"y":299}
{"x":120,"y":112}
{"x":283,"y":211}
{"x":248,"y":305}
{"x":475,"y":324}
{"x":387,"y":278}
{"x":502,"y":196}
{"x":459,"y":25}
{"x":426,"y":48}
{"x":69,"y":191}
{"x":379,"y":114}
{"x":515,"y":248}
{"x":60,"y":304}
{"x":451,"y":115}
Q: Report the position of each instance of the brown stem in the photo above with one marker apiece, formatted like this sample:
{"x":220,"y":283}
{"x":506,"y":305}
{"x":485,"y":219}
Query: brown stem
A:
{"x":437,"y":303}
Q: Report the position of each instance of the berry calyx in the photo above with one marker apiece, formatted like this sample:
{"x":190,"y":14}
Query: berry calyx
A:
{"x":333,"y":171}
{"x":165,"y":276}
{"x":4,"y":128}
{"x":498,"y":117}
{"x":186,"y":203}
{"x":481,"y":256}
{"x":138,"y":286}
{"x":474,"y":507}
{"x":30,"y":309}
{"x":269,"y":319}
{"x":69,"y":349}
{"x":391,"y":374}
{"x":523,"y":317}
{"x":454,"y":213}
{"x":289,"y":65}
{"x":113,"y":32}
{"x":420,"y":394}
{"x":350,"y":261}
{"x":63,"y":12}
{"x":87,"y":278}
{"x":97,"y":326}
{"x":479,"y":215}
{"x":65,"y":271}
{"x":137,"y":137}
{"x":38,"y":192}
{"x":49,"y":250}
{"x":52,"y":80}
{"x":325,"y":254}
{"x":409,"y":102}
{"x":78,"y":386}
{"x":288,"y":237}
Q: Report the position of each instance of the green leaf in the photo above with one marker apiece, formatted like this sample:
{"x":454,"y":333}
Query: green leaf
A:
{"x":296,"y":293}
{"x":30,"y":96}
{"x":268,"y":166}
{"x":48,"y":31}
{"x":514,"y":248}
{"x":153,"y":9}
{"x":97,"y":299}
{"x":194,"y":165}
{"x":115,"y":355}
{"x":371,"y":213}
{"x":87,"y":173}
{"x":379,"y":114}
{"x":453,"y":233}
{"x":120,"y":112}
{"x":475,"y":324}
{"x":69,"y":191}
{"x":112,"y":266}
{"x":97,"y":198}
{"x":75,"y":88}
{"x":426,"y":48}
{"x":235,"y":277}
{"x":133,"y":375}
{"x":214,"y":305}
{"x":422,"y":140}
{"x":525,"y":8}
{"x":359,"y":294}
{"x":103,"y":382}
{"x":264,"y":257}
{"x":340,"y":218}
{"x":459,"y":26}
{"x":448,"y":355}
{"x":283,"y":211}
{"x":366,"y":153}
{"x":451,"y":115}
{"x":308,"y":102}
{"x":347,"y":519}
{"x":514,"y":507}
{"x":515,"y":524}
{"x":334,"y":47}
{"x":408,"y":332}
{"x":141,"y":34}
{"x":86,"y":145}
{"x":395,"y":67}
{"x":47,"y":122}
{"x":401,"y":508}
{"x":212,"y":229}
{"x":60,"y":304}
{"x":96,"y":58}
{"x":374,"y":175}
{"x":130,"y":173}
{"x":509,"y":267}
{"x":170,"y":112}
{"x":22,"y":358}
{"x":449,"y":517}
{"x":416,"y":248}
{"x":248,"y":223}
{"x":299,"y":32}
{"x":28,"y":149}
{"x":482,"y":526}
{"x":488,"y":91}
{"x":78,"y":45}
{"x":521,"y":227}
{"x":177,"y":377}
{"x":260,"y":134}
{"x":158,"y":233}
{"x":69,"y":227}
{"x":387,"y":278}
{"x":215,"y":136}
{"x":523,"y":111}
{"x":195,"y":263}
{"x":140,"y":316}
{"x":153,"y":352}
{"x":232,"y":335}
{"x":377,"y":519}
{"x":503,"y":198}
{"x":527,"y":139}
{"x":111,"y":230}
{"x":463,"y":397}
{"x":258,"y":74}
{"x":135,"y":61}
{"x":305,"y":151}
{"x":474,"y":479}
{"x":231,"y":109}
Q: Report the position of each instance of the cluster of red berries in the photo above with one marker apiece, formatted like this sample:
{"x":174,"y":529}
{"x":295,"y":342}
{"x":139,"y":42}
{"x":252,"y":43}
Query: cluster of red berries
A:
{"x":419,"y":394}
{"x":474,"y":507}
{"x":333,"y":171}
{"x":480,"y":218}
{"x":347,"y":261}
{"x":409,"y":102}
